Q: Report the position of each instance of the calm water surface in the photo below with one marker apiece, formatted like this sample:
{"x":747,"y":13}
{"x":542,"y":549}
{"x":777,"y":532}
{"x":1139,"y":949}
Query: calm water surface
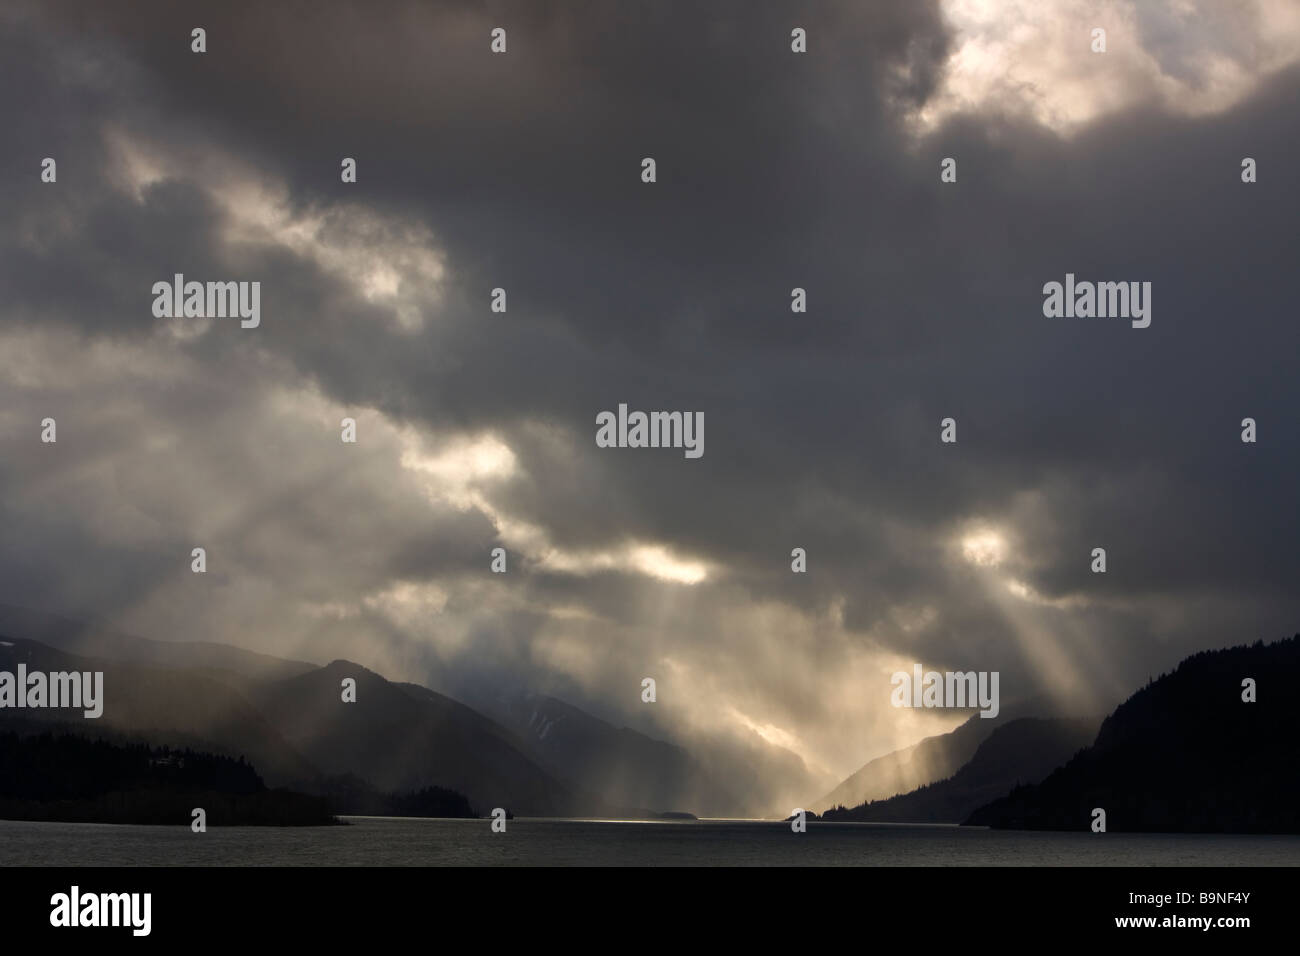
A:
{"x":386,"y":841}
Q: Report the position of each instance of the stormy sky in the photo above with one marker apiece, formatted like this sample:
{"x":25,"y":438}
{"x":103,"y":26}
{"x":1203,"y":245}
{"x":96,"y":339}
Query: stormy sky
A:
{"x":476,"y":429}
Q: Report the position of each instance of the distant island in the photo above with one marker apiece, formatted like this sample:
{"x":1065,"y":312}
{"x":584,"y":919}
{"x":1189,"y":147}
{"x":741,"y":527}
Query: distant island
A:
{"x":349,"y":794}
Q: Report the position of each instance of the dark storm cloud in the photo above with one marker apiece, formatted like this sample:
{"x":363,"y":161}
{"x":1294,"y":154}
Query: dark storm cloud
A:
{"x":775,"y":171}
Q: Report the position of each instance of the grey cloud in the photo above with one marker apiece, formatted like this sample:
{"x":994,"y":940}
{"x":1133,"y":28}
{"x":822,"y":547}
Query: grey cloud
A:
{"x":822,"y":429}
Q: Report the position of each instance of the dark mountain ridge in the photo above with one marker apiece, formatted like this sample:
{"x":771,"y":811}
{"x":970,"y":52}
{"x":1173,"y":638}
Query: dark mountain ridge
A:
{"x":404,"y":738}
{"x":1184,"y":754}
{"x":298,"y":731}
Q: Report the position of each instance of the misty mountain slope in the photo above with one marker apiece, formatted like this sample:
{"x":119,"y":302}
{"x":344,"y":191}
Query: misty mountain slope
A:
{"x":201,"y":708}
{"x":404,"y":738}
{"x":94,"y":640}
{"x":1183,"y":754}
{"x":602,"y":769}
{"x":932,"y":759}
{"x":1024,"y":750}
{"x":942,"y":755}
{"x":626,"y":767}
